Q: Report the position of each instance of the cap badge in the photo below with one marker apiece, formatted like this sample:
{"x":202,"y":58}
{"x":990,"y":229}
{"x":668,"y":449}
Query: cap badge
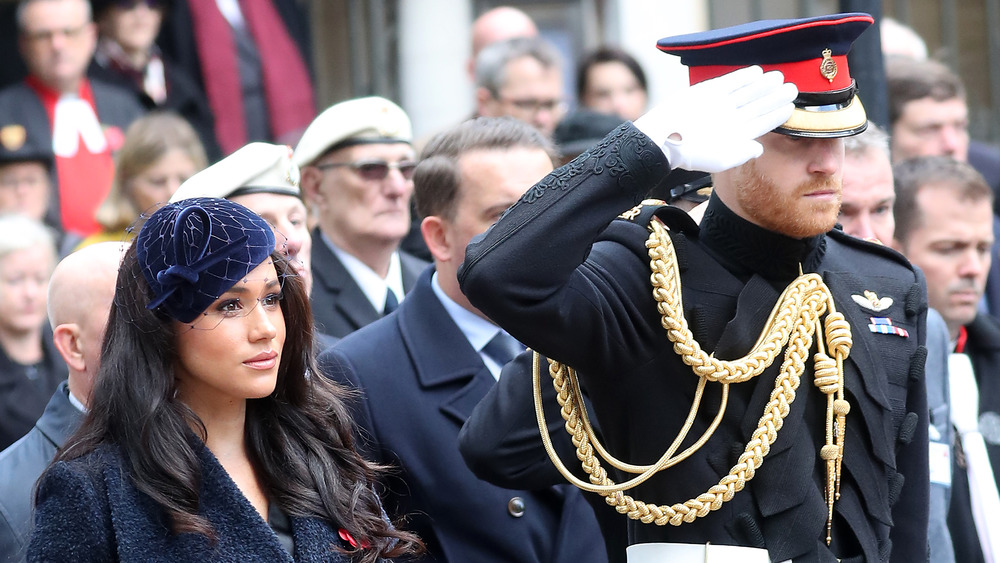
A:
{"x":872,"y":301}
{"x":828,"y":66}
{"x":12,"y":137}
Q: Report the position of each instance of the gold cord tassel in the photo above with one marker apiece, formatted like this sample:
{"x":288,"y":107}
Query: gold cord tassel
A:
{"x":794,"y":321}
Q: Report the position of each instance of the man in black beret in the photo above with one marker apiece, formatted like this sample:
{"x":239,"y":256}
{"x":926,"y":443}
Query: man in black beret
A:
{"x":767,"y":379}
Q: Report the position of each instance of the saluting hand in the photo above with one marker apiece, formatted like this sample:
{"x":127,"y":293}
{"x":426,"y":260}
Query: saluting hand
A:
{"x":712,"y":126}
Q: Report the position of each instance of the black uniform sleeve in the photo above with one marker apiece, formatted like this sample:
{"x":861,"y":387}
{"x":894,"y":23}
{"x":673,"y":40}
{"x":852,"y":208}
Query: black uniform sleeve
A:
{"x":500,"y":441}
{"x":527,"y":273}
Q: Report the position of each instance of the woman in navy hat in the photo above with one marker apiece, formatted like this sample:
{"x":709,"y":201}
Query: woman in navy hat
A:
{"x":208,"y":437}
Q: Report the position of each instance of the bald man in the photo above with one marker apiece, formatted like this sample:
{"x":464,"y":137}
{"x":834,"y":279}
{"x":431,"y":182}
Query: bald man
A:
{"x":81,"y":291}
{"x":499,"y":24}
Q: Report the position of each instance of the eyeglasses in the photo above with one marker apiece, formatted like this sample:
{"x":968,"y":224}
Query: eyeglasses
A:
{"x":374,"y":170}
{"x":47,"y":35}
{"x":132,"y":4}
{"x":533,"y":106}
{"x":235,"y":306}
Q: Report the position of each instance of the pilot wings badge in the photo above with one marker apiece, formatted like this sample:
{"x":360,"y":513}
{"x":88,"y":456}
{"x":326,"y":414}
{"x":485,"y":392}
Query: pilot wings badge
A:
{"x":872,"y":302}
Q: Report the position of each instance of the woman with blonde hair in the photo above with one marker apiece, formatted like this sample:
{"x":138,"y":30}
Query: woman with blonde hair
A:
{"x":160,"y":151}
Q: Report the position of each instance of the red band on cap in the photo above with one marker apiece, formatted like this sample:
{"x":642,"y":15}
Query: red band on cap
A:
{"x":804,"y":74}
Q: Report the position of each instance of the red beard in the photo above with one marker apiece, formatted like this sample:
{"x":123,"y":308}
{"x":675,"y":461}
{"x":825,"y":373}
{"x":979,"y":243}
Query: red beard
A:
{"x":790,"y":214}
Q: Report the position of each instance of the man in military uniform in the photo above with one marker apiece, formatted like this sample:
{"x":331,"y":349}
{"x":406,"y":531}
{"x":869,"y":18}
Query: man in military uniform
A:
{"x":771,"y":470}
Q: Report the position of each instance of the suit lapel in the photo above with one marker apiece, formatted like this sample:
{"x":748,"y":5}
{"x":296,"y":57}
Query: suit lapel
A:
{"x":411,"y":267}
{"x":348,"y":299}
{"x":442,"y":357}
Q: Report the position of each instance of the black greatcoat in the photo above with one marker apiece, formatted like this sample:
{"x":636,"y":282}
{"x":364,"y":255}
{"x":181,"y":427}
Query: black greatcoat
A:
{"x":562,"y":276}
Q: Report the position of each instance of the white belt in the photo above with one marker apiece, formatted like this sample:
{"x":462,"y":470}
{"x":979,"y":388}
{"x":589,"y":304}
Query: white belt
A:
{"x":694,"y":553}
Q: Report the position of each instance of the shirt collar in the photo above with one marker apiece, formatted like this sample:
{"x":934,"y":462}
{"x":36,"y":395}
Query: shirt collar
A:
{"x":371,"y":284}
{"x":75,"y":402}
{"x":477,"y":330}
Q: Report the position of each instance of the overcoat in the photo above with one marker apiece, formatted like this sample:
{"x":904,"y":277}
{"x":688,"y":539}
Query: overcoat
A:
{"x":23,"y":462}
{"x":339,"y":306}
{"x":89,"y":509}
{"x":419,"y":379}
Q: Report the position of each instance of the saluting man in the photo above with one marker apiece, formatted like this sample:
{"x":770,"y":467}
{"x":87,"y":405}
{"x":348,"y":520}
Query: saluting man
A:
{"x":810,"y":447}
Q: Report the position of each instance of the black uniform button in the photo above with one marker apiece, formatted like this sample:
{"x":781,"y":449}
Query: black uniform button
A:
{"x":515,"y":507}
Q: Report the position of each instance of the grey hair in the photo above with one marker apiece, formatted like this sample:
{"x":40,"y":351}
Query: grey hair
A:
{"x":491,"y":64}
{"x":18,"y":232}
{"x":23,"y":5}
{"x":873,"y":138}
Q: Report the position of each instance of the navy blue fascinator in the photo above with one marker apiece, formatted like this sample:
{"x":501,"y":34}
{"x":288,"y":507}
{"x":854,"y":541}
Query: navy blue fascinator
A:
{"x":192,"y":251}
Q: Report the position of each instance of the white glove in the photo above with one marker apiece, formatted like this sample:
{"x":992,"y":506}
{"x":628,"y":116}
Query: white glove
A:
{"x":711,"y":126}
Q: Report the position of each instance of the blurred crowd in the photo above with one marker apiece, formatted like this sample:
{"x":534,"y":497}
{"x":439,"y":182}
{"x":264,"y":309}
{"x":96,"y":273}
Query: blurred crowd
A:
{"x":127,"y":103}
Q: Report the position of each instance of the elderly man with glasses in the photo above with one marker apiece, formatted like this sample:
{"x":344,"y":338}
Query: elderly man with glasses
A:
{"x":357,"y":166}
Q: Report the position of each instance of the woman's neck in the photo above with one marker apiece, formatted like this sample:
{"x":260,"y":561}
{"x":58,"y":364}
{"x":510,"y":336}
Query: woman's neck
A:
{"x":225,"y":427}
{"x":225,"y":437}
{"x":23,"y":347}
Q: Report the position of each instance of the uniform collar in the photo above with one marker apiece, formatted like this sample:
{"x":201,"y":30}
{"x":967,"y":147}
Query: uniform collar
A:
{"x":746,"y":249}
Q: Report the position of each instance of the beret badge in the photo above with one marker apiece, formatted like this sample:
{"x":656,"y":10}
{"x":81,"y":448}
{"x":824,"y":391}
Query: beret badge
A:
{"x":12,"y":137}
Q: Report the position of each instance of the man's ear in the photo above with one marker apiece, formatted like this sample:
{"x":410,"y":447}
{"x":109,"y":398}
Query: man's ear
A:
{"x":309,"y":180}
{"x":67,"y":340}
{"x":485,"y":103}
{"x":435,"y":236}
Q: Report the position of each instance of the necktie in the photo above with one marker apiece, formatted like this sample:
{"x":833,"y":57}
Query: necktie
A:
{"x":982,"y":484}
{"x":390,"y":302}
{"x":502,"y":348}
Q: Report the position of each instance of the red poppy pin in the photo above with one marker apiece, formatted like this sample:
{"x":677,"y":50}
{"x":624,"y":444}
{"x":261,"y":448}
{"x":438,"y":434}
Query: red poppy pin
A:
{"x":347,"y":537}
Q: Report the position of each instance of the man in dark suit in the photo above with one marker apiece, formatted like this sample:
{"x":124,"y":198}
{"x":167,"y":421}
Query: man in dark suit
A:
{"x":944,"y":225}
{"x":779,"y":475}
{"x":357,"y":168}
{"x":80,"y":294}
{"x":422,"y":370}
{"x":82,"y":120}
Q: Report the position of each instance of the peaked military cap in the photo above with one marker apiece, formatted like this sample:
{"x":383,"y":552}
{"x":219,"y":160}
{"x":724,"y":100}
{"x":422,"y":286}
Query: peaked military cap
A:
{"x":810,"y":52}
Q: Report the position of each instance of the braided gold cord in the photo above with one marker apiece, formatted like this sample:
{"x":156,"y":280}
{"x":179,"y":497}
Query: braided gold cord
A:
{"x":794,"y":321}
